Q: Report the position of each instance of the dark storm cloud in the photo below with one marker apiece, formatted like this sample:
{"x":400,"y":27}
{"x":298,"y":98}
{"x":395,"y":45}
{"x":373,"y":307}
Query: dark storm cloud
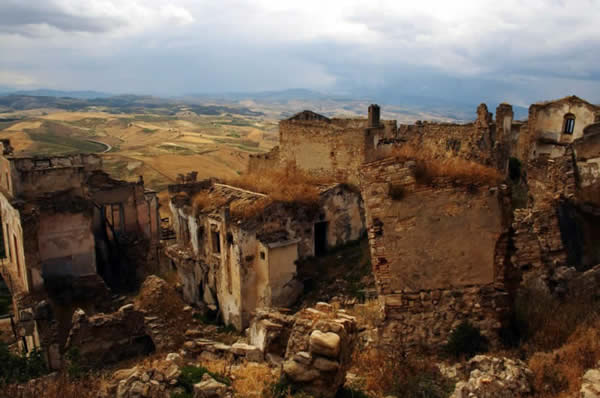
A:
{"x":17,"y":16}
{"x":460,"y":50}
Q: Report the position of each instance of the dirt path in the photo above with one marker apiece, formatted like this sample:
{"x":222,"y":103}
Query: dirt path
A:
{"x":108,"y":146}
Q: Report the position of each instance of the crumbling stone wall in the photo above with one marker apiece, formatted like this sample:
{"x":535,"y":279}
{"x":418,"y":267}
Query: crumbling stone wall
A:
{"x":30,"y":176}
{"x":264,"y":161}
{"x":319,"y":350}
{"x":330,"y":148}
{"x":472,"y":141}
{"x":107,"y":338}
{"x":438,"y":252}
{"x":587,"y":150}
{"x":545,"y":126}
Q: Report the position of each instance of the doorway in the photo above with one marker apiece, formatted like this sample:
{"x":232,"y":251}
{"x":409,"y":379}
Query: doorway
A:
{"x":320,"y":238}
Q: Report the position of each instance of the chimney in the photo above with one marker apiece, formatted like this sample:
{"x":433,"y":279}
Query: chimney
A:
{"x":374,"y":115}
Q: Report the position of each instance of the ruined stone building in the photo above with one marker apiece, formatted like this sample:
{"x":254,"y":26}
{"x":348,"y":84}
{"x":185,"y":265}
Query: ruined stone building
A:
{"x":69,"y":230}
{"x":332,"y":148}
{"x":438,"y":251}
{"x":445,"y":250}
{"x":236,"y":250}
{"x":558,"y":223}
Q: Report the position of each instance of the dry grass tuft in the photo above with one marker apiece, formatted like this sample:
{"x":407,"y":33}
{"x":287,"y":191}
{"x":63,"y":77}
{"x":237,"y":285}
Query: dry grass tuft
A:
{"x":368,"y":313}
{"x":62,"y":387}
{"x":245,"y":209}
{"x":249,"y":379}
{"x":205,"y":201}
{"x":392,"y":372}
{"x":430,"y":167}
{"x":287,"y":185}
{"x":558,"y":373}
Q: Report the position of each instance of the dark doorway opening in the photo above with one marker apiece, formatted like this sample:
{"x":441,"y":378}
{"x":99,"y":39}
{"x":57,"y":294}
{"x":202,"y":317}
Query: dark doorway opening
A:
{"x":320,"y":238}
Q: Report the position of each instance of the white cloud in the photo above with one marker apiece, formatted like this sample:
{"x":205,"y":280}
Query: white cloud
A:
{"x":314,"y":42}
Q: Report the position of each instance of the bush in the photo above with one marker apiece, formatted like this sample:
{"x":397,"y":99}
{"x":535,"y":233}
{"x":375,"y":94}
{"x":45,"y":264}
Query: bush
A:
{"x":428,"y":383}
{"x":466,"y":341}
{"x":347,"y":392}
{"x":20,"y":368}
{"x":75,"y":369}
{"x":191,"y":375}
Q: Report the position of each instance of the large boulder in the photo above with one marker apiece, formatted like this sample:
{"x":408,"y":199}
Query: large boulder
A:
{"x":319,"y":350}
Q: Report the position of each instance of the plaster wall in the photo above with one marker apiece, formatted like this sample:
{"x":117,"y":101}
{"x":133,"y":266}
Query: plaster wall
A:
{"x":66,"y":244}
{"x":282,"y":269}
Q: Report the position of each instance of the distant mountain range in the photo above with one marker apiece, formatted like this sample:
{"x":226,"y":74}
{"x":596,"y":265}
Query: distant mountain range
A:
{"x":76,"y":100}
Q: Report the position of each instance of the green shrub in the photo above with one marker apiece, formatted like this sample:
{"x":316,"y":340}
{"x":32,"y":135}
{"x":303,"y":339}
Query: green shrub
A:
{"x":348,"y":392}
{"x":428,"y":384}
{"x":20,"y":368}
{"x":191,"y":375}
{"x":466,"y":341}
{"x":75,"y":369}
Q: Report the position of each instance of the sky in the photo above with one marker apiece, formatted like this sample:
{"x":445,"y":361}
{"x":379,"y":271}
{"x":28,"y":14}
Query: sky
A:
{"x":509,"y":50}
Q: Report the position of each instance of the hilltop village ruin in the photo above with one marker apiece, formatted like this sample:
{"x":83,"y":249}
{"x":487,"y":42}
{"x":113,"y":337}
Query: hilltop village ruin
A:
{"x":458,"y":217}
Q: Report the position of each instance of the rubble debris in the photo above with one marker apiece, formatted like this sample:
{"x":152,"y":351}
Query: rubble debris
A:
{"x":164,"y":312}
{"x":107,"y":338}
{"x":319,"y":350}
{"x":485,"y":376}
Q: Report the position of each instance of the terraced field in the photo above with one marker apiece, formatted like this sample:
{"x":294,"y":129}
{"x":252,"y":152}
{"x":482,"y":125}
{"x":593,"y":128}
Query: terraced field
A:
{"x":156,"y":146}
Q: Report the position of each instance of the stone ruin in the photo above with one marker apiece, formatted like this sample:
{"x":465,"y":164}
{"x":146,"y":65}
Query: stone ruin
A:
{"x":443,"y":251}
{"x":319,"y":350}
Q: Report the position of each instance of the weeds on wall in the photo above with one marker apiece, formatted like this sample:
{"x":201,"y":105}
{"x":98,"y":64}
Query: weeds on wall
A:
{"x":287,"y":185}
{"x":429,"y":167}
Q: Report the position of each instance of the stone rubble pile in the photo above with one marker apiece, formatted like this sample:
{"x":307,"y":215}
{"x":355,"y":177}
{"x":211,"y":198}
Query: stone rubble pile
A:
{"x":270,"y":331}
{"x":489,"y":377}
{"x":590,"y":384}
{"x":204,"y":349}
{"x":319,"y":349}
{"x":155,"y":382}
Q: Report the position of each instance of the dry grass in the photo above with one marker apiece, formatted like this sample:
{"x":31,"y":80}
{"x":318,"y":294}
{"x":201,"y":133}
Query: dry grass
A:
{"x":61,"y":387}
{"x":249,"y":379}
{"x":558,"y":373}
{"x":287,"y":185}
{"x":245,"y":209}
{"x":369,"y":313}
{"x":205,"y":201}
{"x":430,"y":167}
{"x":392,"y":372}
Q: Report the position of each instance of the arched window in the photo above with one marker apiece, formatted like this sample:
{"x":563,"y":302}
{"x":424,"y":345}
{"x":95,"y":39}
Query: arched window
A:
{"x":569,"y":123}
